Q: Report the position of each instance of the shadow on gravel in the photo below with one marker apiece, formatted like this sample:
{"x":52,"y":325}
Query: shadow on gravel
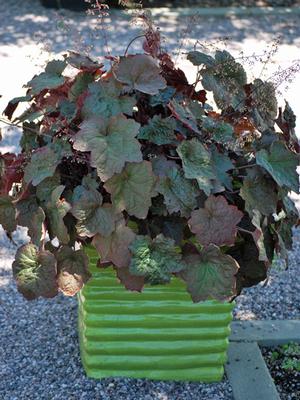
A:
{"x":28,"y":22}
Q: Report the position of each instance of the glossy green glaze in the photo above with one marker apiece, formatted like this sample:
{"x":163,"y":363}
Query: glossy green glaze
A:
{"x":156,"y":334}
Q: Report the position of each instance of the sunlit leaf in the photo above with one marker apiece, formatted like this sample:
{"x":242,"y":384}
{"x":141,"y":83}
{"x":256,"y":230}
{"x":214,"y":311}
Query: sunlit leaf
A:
{"x":140,"y":72}
{"x":111,"y":143}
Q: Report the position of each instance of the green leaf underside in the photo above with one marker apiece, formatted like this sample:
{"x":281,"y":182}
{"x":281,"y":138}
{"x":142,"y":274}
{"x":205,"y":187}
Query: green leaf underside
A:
{"x":92,"y":216}
{"x":159,"y":131}
{"x":179,"y":193}
{"x":210,"y":275}
{"x":216,"y":223}
{"x":7,"y":214}
{"x":196,"y":162}
{"x":111,"y":143}
{"x":155,"y":259}
{"x":258,"y":191}
{"x":114,"y":248}
{"x":105,"y":99}
{"x":281,"y":165}
{"x":132,"y":189}
{"x":72,"y":270}
{"x":35,"y":272}
{"x":140,"y":72}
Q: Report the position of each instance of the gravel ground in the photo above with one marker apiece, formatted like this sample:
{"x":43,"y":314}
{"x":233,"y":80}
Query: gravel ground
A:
{"x":38,"y":341}
{"x":195,"y":3}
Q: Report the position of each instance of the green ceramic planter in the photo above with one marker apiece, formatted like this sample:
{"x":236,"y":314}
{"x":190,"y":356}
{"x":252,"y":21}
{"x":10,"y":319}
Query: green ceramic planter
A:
{"x":156,"y":334}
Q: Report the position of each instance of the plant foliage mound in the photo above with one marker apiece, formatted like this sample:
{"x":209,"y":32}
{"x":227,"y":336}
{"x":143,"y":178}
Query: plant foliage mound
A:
{"x":133,"y":160}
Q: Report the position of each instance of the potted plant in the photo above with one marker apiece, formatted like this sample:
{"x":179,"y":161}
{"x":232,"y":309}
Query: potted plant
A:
{"x":128,"y":177}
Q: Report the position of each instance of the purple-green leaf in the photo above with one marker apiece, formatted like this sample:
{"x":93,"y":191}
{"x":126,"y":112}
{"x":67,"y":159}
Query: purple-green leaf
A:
{"x":111,"y":143}
{"x":210,"y":275}
{"x":92,"y":216}
{"x":35,"y":272}
{"x":132,"y":189}
{"x":216,"y":223}
{"x":114,"y":248}
{"x":140,"y":72}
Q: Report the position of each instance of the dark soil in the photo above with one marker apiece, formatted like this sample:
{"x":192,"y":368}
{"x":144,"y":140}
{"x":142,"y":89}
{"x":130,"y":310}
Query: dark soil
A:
{"x":80,"y":4}
{"x":287,"y":381}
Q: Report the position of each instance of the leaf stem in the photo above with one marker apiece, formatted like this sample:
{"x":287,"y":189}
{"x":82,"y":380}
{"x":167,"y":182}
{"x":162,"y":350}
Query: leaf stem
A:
{"x":131,"y":41}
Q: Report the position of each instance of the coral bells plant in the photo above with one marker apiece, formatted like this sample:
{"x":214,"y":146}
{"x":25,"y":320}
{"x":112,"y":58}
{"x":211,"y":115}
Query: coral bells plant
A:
{"x":133,"y":160}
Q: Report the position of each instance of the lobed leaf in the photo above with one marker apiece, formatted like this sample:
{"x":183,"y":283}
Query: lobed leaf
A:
{"x":132,"y":189}
{"x":92,"y":217}
{"x":210,"y":275}
{"x":111,"y":142}
{"x":179,"y":193}
{"x":216,"y":223}
{"x":7,"y":214}
{"x":226,"y":79}
{"x":32,"y":216}
{"x":72,"y":269}
{"x":44,"y":161}
{"x":115,"y":248}
{"x":56,"y":209}
{"x":105,"y":99}
{"x":196,"y":162}
{"x":159,"y":131}
{"x":281,"y":165}
{"x":259,"y":192}
{"x":50,"y":79}
{"x":155,"y":259}
{"x":131,"y":282}
{"x":140,"y":72}
{"x":35,"y":272}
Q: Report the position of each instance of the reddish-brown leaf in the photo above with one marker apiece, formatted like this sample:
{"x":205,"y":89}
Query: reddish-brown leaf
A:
{"x":131,"y":282}
{"x":216,"y":223}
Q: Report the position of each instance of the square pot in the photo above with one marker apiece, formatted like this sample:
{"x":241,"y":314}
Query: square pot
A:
{"x":156,"y":334}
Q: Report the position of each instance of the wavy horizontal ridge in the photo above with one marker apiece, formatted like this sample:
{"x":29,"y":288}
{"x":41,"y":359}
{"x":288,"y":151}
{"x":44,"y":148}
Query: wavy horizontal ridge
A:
{"x":156,"y":334}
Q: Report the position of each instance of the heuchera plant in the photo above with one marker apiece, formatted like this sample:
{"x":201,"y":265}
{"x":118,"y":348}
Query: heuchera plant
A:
{"x":134,"y":161}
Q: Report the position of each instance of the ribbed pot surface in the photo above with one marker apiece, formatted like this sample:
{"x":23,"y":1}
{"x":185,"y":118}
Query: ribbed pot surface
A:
{"x":156,"y":334}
